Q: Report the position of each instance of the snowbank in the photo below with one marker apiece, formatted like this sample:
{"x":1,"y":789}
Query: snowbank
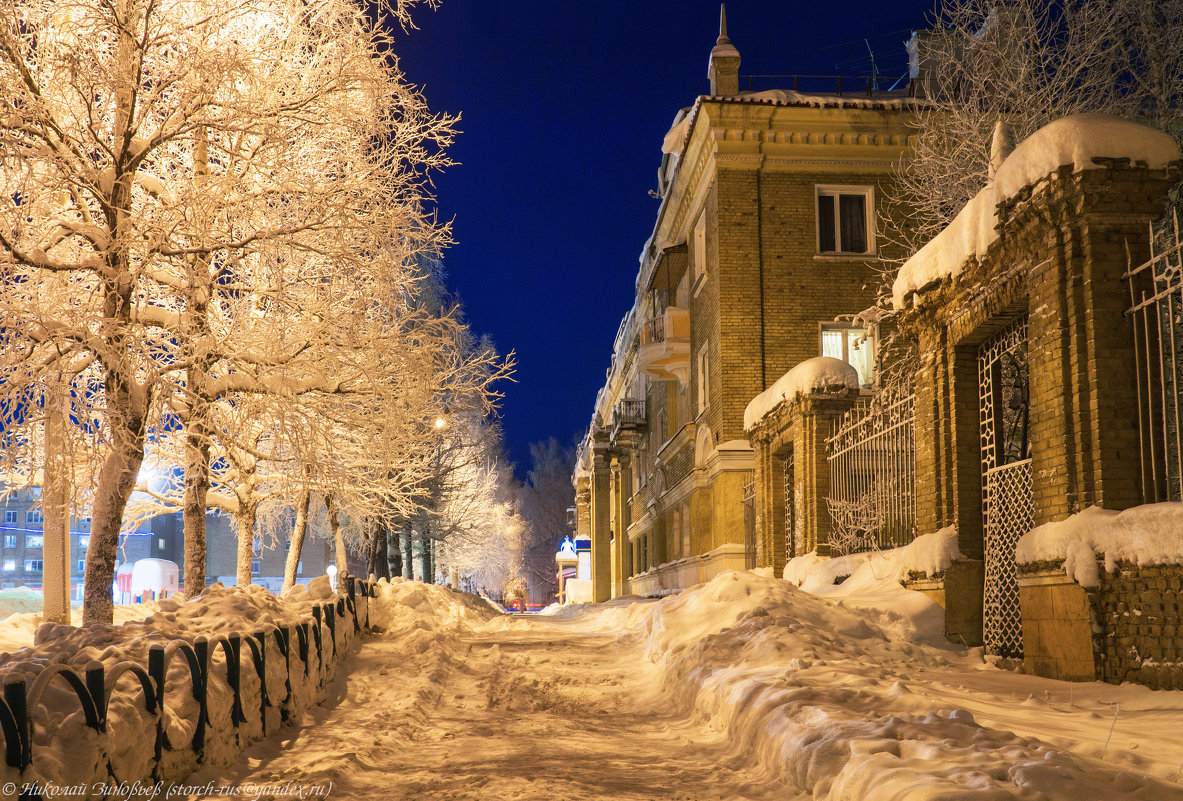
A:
{"x":819,"y":374}
{"x":67,"y":752}
{"x":1076,"y":140}
{"x":1144,"y":535}
{"x":821,"y":696}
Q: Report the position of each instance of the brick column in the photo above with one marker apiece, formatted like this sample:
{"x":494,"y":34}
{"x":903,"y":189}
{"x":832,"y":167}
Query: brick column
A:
{"x":601,"y":532}
{"x":622,"y":481}
{"x":1084,"y":434}
{"x":770,"y":515}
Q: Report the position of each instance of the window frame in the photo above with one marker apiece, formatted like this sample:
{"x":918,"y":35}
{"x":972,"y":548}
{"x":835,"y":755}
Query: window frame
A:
{"x":836,"y":191}
{"x":10,"y":516}
{"x":846,"y":329}
{"x":34,"y":515}
{"x":34,"y":565}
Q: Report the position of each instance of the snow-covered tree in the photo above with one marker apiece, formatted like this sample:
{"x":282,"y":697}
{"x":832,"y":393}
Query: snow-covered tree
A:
{"x":1027,"y":62}
{"x":544,"y":499}
{"x":162,"y":156}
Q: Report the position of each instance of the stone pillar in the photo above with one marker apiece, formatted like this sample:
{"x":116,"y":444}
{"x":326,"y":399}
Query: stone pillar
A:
{"x":770,"y":514}
{"x":600,"y":518}
{"x":1084,"y":432}
{"x":622,"y":481}
{"x":814,"y":420}
{"x":582,"y":506}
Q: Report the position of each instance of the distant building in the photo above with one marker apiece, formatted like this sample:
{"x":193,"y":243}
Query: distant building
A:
{"x":162,"y":537}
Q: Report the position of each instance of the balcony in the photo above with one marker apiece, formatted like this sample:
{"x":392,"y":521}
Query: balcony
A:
{"x":628,"y":416}
{"x":664,"y":354}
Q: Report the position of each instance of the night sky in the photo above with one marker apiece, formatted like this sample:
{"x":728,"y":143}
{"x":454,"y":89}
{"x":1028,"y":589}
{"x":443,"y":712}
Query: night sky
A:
{"x":564,"y":106}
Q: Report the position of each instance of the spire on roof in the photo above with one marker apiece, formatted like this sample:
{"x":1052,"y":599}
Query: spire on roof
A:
{"x":723,"y":67}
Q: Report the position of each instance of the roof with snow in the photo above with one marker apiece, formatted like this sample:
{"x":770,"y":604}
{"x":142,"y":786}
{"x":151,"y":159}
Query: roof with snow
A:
{"x":819,"y":374}
{"x":1084,"y":141}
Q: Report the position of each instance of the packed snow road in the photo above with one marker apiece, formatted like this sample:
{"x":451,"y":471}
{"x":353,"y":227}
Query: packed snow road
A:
{"x":743,"y":688}
{"x":537,"y":708}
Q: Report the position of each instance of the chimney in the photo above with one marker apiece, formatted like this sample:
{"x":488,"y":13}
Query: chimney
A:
{"x":723,"y":69}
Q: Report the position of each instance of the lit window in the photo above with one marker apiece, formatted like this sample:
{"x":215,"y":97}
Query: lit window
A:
{"x":34,"y":516}
{"x":844,"y":220}
{"x":34,"y":541}
{"x":10,"y":515}
{"x":300,"y":567}
{"x":84,"y":541}
{"x":10,"y":564}
{"x":34,"y":565}
{"x":854,"y":346}
{"x":9,"y":540}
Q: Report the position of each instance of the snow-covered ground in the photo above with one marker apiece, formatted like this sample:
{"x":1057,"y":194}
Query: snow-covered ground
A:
{"x":20,"y":617}
{"x":747,"y":687}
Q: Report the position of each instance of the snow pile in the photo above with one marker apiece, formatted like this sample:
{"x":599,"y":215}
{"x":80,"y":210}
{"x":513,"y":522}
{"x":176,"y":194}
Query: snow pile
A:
{"x":819,"y":374}
{"x":1144,"y":535}
{"x":428,"y":607}
{"x":822,"y":698}
{"x":66,"y":751}
{"x":1078,"y":140}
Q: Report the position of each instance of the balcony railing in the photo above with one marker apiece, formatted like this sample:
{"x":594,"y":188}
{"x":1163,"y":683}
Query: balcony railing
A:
{"x":654,"y":331}
{"x":629,"y":415}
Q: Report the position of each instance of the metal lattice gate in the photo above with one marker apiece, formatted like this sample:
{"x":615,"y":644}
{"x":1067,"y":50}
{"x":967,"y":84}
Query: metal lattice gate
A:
{"x":1006,"y":481}
{"x":792,"y":547}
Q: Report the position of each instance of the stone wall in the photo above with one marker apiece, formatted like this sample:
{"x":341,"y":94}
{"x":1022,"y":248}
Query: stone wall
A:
{"x":1140,"y":612}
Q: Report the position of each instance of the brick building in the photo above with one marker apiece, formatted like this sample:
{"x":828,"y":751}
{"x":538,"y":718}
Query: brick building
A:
{"x":765,"y":237}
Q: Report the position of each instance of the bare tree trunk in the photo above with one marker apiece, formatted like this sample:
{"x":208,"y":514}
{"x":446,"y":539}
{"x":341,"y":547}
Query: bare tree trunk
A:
{"x":127,"y":404}
{"x":55,"y":506}
{"x":194,"y":508}
{"x":425,"y":566}
{"x":197,"y":478}
{"x":395,"y":553}
{"x":117,"y":479}
{"x":409,"y":559}
{"x":338,"y":540}
{"x":296,"y":544}
{"x":246,"y":544}
{"x":380,"y":552}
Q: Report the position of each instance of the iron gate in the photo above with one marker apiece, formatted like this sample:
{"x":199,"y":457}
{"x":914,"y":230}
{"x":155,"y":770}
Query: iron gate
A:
{"x":792,"y":547}
{"x":1006,"y":481}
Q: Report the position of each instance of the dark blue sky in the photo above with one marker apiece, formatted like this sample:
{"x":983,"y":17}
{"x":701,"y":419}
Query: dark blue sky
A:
{"x":564,"y":106}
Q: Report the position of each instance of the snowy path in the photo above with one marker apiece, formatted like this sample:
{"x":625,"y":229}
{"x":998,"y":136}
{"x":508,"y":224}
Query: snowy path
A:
{"x":743,"y":688}
{"x":542,"y":710}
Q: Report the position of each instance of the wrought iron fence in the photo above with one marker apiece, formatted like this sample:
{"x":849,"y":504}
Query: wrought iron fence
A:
{"x":872,"y":457}
{"x":749,"y":518}
{"x":1156,"y":311}
{"x":97,"y":685}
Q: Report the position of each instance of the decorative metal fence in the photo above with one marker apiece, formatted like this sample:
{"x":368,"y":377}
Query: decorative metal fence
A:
{"x":96,"y":686}
{"x":1156,"y":311}
{"x":872,"y":456}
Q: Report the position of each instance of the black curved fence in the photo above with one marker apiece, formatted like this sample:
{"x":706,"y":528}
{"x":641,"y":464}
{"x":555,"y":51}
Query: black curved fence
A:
{"x":95,"y":685}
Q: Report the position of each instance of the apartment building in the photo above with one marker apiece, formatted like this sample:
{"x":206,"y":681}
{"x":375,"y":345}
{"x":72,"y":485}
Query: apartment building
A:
{"x":764,"y":240}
